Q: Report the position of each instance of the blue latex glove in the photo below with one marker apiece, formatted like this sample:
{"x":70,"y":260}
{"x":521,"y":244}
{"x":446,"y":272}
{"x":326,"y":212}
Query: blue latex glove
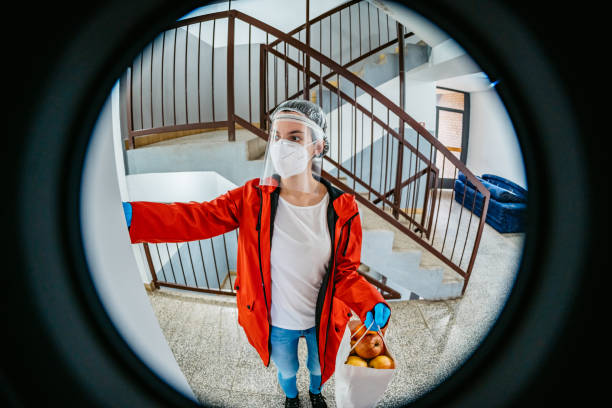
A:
{"x":381,"y":314}
{"x":127,"y":211}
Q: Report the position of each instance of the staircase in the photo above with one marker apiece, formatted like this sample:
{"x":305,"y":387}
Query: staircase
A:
{"x":402,"y":265}
{"x":390,"y":162}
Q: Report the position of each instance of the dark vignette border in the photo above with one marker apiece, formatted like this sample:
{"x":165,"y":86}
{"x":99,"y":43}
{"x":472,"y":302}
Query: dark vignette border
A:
{"x":61,"y":324}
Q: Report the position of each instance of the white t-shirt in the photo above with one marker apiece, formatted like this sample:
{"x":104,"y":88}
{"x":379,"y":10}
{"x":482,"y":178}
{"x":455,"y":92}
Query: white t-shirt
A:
{"x":301,"y":249}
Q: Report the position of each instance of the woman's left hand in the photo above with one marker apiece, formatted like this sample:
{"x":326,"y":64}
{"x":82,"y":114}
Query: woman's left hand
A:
{"x":377,"y":317}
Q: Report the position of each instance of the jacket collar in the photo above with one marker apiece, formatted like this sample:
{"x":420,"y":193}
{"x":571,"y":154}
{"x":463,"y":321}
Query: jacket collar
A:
{"x":344,"y":204}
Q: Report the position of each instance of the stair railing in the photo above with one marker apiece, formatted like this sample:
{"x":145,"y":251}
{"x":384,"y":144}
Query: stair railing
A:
{"x":184,"y":265}
{"x":409,"y":195}
{"x":381,"y":32}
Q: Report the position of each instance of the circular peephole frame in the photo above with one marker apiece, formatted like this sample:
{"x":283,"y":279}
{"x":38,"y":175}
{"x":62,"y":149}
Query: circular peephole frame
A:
{"x":83,"y":340}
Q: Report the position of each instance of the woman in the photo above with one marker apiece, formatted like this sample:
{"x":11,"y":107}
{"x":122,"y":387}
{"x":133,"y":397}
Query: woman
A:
{"x":299,"y":247}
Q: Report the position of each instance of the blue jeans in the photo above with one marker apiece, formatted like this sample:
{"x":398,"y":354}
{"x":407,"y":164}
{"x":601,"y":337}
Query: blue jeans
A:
{"x":284,"y":354}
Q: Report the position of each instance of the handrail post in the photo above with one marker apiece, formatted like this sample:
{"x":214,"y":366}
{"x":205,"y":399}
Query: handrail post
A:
{"x":307,"y":70}
{"x":262,"y":87}
{"x":231,"y":124}
{"x":130,"y":120}
{"x":151,"y":267}
{"x":400,"y":145}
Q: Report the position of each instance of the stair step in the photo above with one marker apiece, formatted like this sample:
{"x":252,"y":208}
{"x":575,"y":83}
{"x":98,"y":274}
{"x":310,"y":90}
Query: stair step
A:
{"x":404,"y":260}
{"x":376,"y":247}
{"x":378,"y":240}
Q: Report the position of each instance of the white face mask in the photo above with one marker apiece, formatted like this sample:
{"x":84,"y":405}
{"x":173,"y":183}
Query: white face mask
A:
{"x":289,"y":158}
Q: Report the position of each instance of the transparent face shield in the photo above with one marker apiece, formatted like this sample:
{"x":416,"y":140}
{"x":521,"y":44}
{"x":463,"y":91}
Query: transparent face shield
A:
{"x":293,"y":154}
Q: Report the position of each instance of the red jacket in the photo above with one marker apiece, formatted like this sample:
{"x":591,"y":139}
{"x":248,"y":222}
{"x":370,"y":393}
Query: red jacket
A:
{"x":252,"y":208}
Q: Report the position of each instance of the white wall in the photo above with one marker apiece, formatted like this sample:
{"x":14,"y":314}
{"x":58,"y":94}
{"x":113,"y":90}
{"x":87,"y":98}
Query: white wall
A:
{"x":420,"y":105}
{"x":493,"y":146}
{"x":111,"y":260}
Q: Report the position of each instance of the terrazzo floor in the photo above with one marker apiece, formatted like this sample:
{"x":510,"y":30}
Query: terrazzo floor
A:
{"x":429,"y":339}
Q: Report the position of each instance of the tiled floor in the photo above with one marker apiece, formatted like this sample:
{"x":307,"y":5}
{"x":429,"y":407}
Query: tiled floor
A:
{"x":429,"y":339}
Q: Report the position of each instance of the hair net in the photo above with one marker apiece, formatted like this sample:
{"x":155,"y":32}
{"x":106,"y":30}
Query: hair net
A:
{"x":310,"y":110}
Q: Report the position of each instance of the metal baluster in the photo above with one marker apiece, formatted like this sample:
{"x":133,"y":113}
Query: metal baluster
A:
{"x":354,"y":131}
{"x":192,"y":268}
{"x":151,"y":80}
{"x":459,"y":222}
{"x":388,"y":36}
{"x":469,"y":226}
{"x":338,"y":128}
{"x":320,"y":64}
{"x":339,"y":123}
{"x":382,"y":160}
{"x":439,"y":197}
{"x":427,"y":191}
{"x":286,"y":73}
{"x":174,"y":75}
{"x":417,"y":180}
{"x":359,"y":22}
{"x":267,"y":86}
{"x":449,"y":213}
{"x":231,"y":105}
{"x":371,"y":143}
{"x":378,"y":20}
{"x":215,"y":260}
{"x":386,"y":161}
{"x":350,"y":36}
{"x":275,"y":77}
{"x":409,"y":186}
{"x":170,"y":262}
{"x":229,"y":275}
{"x":198,"y":65}
{"x":186,"y":106}
{"x":416,"y":184}
{"x":362,"y":149}
{"x":204,"y":265}
{"x":161,"y":263}
{"x":297,"y":71}
{"x":178,"y":251}
{"x":162,"y":79}
{"x":250,"y":117}
{"x":141,"y":86}
{"x":340,"y":39}
{"x":212,"y":71}
{"x":369,"y":30}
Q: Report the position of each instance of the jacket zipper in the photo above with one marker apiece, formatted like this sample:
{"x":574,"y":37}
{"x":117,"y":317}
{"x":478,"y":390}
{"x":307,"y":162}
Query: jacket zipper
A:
{"x":332,"y":282}
{"x":331,"y":300}
{"x":348,"y":235}
{"x":263,"y":285}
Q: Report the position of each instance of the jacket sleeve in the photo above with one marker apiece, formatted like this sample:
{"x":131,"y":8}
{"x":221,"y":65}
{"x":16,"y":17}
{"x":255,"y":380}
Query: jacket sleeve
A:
{"x":179,"y":222}
{"x":352,"y":288}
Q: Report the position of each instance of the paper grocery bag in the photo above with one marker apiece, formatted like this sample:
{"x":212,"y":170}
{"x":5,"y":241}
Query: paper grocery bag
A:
{"x":359,"y":387}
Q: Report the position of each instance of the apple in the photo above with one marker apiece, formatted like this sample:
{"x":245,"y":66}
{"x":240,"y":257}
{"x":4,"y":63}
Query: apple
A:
{"x":381,"y":362}
{"x":353,"y":326}
{"x":356,"y":361}
{"x":370,"y":346}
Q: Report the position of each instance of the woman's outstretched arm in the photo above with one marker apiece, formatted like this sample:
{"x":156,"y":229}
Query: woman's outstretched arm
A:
{"x":179,"y":222}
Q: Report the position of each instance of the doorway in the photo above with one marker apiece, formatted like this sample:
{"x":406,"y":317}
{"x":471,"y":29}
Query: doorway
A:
{"x":452,"y":128}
